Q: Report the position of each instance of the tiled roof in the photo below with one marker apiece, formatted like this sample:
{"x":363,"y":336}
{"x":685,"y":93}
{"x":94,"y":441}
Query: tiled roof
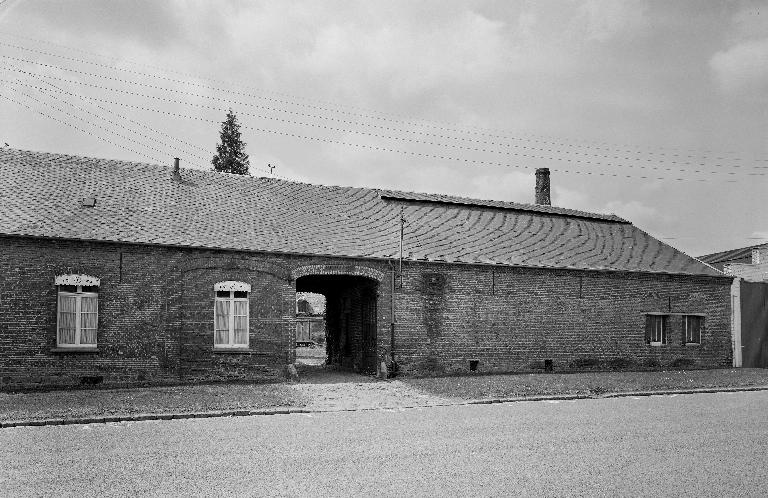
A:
{"x":718,"y":259}
{"x":139,"y":203}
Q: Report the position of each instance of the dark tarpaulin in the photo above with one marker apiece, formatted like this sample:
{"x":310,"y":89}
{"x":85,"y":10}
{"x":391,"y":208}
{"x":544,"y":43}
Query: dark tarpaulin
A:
{"x":754,"y":324}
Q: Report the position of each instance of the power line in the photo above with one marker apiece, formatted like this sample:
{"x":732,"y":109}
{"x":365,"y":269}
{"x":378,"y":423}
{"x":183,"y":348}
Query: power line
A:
{"x":414,"y":141}
{"x":455,"y":130}
{"x":410,"y":120}
{"x":148,"y":137}
{"x":314,"y":116}
{"x":159,"y":132}
{"x":417,"y":154}
{"x":79,"y":129}
{"x":48,"y":104}
{"x":104,"y":129}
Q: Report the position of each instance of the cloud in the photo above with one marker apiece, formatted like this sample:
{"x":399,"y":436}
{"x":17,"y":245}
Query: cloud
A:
{"x":461,"y":50}
{"x":606,"y":19}
{"x":634,"y":211}
{"x":742,"y":67}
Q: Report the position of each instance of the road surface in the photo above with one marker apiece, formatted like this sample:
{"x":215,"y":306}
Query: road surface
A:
{"x":689,"y":445}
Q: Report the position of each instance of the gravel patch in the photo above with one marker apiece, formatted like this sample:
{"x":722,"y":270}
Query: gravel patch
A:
{"x":151,"y":400}
{"x":326,"y":389}
{"x":587,"y":384}
{"x":365,"y":396}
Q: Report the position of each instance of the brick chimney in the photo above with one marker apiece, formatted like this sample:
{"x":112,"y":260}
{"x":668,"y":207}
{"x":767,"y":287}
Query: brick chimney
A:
{"x":542,"y":187}
{"x":176,"y":174}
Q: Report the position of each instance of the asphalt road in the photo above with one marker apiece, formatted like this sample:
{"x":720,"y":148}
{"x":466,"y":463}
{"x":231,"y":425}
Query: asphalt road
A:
{"x":690,"y":445}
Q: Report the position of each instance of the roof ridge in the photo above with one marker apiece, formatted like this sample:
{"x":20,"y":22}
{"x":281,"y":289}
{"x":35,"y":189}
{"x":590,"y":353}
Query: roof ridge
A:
{"x":139,"y":203}
{"x":376,"y":190}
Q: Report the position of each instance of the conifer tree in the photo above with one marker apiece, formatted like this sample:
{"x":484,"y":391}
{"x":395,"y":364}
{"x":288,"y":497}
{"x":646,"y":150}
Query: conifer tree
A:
{"x":230,"y":153}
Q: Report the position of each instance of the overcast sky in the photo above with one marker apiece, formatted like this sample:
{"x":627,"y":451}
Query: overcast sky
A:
{"x":655,"y":111}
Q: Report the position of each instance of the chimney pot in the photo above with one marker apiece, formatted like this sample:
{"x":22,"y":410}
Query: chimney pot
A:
{"x":542,"y":187}
{"x":176,"y":174}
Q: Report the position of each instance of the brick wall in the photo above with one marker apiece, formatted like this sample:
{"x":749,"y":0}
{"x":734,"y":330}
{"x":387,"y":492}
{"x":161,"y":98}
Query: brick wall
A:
{"x":156,"y":315}
{"x":513,"y":319}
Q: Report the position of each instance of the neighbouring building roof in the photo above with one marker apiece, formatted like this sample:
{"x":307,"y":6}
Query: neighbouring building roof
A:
{"x":43,"y":196}
{"x":742,"y":255}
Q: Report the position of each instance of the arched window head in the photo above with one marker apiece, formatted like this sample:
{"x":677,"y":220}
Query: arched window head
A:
{"x":85,"y":280}
{"x":231,"y":285}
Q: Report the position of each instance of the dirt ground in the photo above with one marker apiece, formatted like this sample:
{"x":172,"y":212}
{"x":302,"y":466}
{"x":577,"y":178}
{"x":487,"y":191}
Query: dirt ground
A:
{"x":324,"y":388}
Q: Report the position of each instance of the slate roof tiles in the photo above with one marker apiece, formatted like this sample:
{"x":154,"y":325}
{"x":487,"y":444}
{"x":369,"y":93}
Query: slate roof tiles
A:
{"x":139,"y":203}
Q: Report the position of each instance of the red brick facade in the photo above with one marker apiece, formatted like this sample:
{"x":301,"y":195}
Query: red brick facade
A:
{"x":156,"y":315}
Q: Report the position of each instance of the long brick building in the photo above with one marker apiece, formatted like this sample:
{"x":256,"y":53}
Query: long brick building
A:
{"x":121,"y":272}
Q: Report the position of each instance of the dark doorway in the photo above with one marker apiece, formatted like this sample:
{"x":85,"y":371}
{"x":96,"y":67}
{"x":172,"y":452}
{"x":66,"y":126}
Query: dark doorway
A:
{"x":754,"y":324}
{"x":350,"y":319}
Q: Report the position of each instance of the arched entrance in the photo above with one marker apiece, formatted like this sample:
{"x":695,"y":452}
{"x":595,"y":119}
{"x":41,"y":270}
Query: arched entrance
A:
{"x":350,"y":313}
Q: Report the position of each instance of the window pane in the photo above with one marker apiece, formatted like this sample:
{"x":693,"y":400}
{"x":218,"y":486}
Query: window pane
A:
{"x":87,"y":336}
{"x":90,"y":288}
{"x":241,"y":294}
{"x":68,"y":304}
{"x":224,"y":294}
{"x":67,"y":319}
{"x":693,"y":329}
{"x":89,"y":321}
{"x":88,"y":304}
{"x":241,"y":330}
{"x":221,"y":338}
{"x":241,"y":308}
{"x":221,"y":325}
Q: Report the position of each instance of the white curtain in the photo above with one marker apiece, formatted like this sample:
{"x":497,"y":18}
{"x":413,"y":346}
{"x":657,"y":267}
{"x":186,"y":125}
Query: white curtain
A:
{"x":241,"y":322}
{"x":67,"y":319}
{"x":89,"y":318}
{"x":221,"y":327}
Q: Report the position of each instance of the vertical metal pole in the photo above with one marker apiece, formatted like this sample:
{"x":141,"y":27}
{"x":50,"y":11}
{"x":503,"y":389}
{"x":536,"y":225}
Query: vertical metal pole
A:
{"x":394,"y":320}
{"x":402,"y":229}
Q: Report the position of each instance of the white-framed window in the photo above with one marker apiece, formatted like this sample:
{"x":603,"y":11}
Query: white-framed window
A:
{"x":692,"y":326}
{"x":77,"y":311}
{"x":656,"y":329}
{"x":230,"y":315}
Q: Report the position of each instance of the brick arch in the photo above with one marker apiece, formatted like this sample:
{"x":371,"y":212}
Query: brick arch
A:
{"x":355,"y":270}
{"x":232,"y":262}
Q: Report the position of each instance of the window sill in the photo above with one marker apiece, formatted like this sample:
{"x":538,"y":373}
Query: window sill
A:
{"x":232,"y":350}
{"x":74,"y":350}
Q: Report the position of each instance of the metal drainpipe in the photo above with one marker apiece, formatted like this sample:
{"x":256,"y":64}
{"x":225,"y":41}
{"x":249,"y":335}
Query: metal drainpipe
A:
{"x":393,"y":320}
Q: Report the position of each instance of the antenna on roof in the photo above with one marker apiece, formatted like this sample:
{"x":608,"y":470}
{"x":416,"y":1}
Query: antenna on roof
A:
{"x":271,"y":168}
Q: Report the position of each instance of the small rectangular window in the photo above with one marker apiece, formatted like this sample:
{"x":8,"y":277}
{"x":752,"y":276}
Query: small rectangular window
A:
{"x":656,"y":329}
{"x":692,"y":325}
